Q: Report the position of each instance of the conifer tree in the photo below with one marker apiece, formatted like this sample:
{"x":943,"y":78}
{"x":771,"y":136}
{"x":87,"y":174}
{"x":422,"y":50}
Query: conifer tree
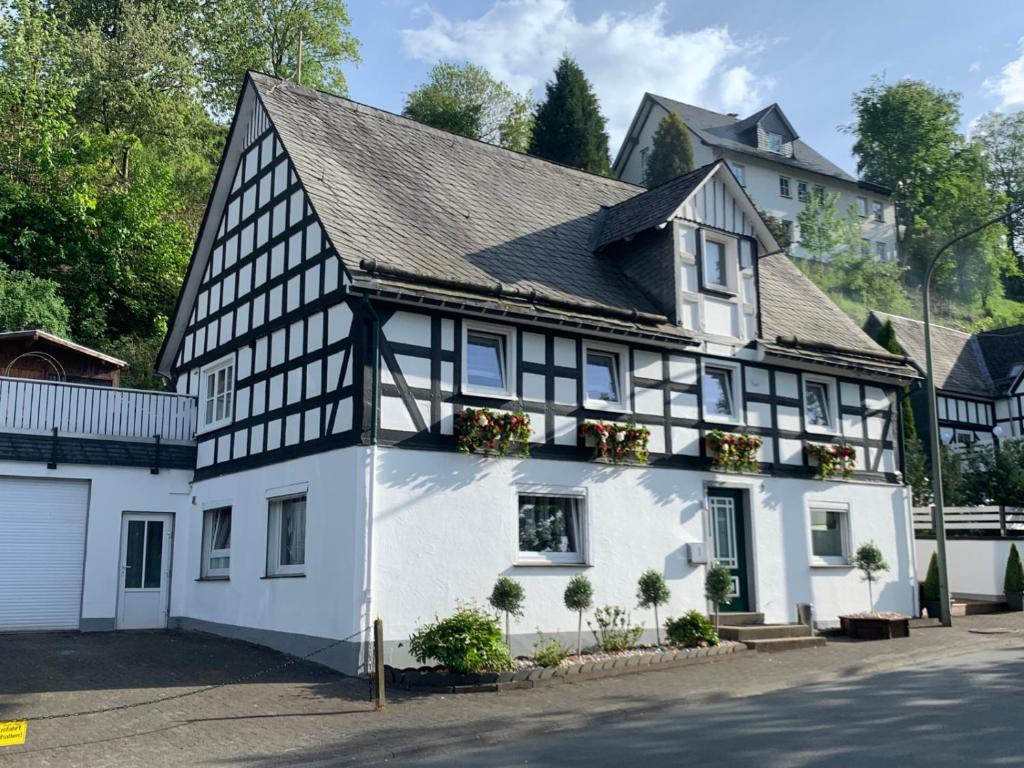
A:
{"x":671,"y":152}
{"x":569,"y":126}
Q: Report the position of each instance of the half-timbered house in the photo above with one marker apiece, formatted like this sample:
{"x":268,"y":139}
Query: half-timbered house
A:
{"x":360,"y":280}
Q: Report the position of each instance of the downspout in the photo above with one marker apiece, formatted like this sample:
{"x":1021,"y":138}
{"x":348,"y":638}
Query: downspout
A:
{"x":371,"y":478}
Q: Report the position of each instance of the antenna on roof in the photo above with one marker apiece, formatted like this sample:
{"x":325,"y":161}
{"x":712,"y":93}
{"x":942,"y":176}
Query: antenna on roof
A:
{"x":298,"y":66}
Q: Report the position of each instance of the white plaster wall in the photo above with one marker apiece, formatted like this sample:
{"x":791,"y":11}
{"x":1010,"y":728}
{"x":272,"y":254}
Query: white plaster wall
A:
{"x":112,"y":491}
{"x":975,"y":567}
{"x":445,"y":527}
{"x":329,"y":600}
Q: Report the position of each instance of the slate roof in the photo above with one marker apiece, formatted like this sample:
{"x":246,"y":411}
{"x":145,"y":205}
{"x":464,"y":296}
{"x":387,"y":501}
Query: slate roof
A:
{"x":958,"y":363}
{"x":406,"y":205}
{"x":34,"y":334}
{"x":1003,"y":350}
{"x":724,"y":131}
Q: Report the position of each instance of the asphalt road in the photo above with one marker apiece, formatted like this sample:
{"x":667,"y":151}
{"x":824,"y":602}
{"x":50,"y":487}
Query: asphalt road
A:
{"x":967,"y":711}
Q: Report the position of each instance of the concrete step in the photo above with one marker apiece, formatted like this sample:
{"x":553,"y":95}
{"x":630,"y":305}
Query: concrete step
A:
{"x":763,"y":632}
{"x":973,"y":607}
{"x":777,"y":644}
{"x":739,"y":619}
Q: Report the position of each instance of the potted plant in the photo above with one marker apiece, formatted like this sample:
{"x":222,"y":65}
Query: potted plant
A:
{"x":930,"y":590}
{"x":486,"y":431}
{"x":718,"y":588}
{"x":873,"y":625}
{"x":507,"y":597}
{"x":733,"y":453}
{"x":652,"y":591}
{"x":832,"y":458}
{"x":617,"y":443}
{"x":1013,"y":581}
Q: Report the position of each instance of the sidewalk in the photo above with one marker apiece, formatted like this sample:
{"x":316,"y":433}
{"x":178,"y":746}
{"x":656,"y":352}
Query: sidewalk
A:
{"x":293,"y":723}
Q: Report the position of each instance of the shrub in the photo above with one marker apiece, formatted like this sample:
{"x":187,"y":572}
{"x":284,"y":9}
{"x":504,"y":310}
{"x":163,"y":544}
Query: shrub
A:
{"x":691,"y":630}
{"x":932,"y":592}
{"x":718,"y":587}
{"x":614,"y":630}
{"x":468,"y":641}
{"x":579,"y":596}
{"x":507,"y":597}
{"x":550,"y":652}
{"x":1013,"y":581}
{"x":652,"y":591}
{"x":869,"y":561}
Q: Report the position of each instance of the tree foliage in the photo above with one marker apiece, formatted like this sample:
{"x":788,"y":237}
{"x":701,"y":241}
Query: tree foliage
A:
{"x":465,"y":99}
{"x":1001,"y":138}
{"x":568,"y":125}
{"x":651,"y":592}
{"x":671,"y":152}
{"x":869,"y":561}
{"x":718,"y":588}
{"x":27,"y":301}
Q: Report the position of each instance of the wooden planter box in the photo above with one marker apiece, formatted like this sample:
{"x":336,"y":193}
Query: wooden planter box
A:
{"x":875,"y":627}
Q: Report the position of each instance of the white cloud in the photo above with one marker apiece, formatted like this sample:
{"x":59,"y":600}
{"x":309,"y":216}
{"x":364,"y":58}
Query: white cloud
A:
{"x":623,"y":54}
{"x":1009,"y":86}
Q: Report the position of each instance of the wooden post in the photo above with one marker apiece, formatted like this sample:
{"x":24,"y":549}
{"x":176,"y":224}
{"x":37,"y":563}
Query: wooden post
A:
{"x":1002,"y":520}
{"x":378,"y":661}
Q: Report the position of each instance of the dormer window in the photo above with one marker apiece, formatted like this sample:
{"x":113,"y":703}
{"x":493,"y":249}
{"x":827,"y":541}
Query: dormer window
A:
{"x":715,"y":265}
{"x":775,"y":142}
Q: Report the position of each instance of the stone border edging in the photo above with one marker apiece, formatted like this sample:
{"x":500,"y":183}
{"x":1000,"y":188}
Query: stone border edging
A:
{"x":428,"y":680}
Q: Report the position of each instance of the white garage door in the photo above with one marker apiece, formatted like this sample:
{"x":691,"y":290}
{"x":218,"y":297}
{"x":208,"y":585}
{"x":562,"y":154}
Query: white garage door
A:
{"x":42,"y":549}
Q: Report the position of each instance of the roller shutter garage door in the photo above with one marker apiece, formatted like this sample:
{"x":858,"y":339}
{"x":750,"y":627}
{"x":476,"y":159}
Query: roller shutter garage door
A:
{"x":42,"y":552}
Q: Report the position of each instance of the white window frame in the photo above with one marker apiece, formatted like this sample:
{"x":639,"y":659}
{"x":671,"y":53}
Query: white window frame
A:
{"x":730,"y":250}
{"x":878,"y":211}
{"x":830,"y":561}
{"x":831,"y":391}
{"x":770,"y":137}
{"x":735,"y":385}
{"x":803,"y":190}
{"x":581,"y":558}
{"x":882,"y":250}
{"x":788,"y":183}
{"x":205,"y":372}
{"x":862,"y":206}
{"x":622,"y":357}
{"x":509,"y":390}
{"x":739,"y":170}
{"x":208,"y":553}
{"x":275,"y":506}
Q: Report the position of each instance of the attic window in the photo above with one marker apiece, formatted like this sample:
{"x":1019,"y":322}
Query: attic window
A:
{"x":775,"y":142}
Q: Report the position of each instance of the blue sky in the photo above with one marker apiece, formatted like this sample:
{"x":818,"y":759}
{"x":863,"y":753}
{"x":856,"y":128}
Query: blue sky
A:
{"x":730,"y":56}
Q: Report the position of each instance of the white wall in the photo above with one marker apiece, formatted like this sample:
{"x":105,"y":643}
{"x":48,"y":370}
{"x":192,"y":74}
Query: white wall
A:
{"x":975,"y":567}
{"x":329,"y":600}
{"x":445,"y":527}
{"x":113,"y":491}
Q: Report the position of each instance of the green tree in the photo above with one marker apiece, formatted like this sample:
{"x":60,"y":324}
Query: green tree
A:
{"x":870,"y":562}
{"x":263,"y":36}
{"x":886,"y":338}
{"x":718,"y":588}
{"x":465,"y":99}
{"x":568,"y":126}
{"x":781,"y":230}
{"x":28,"y":302}
{"x":651,"y":592}
{"x":671,"y":152}
{"x":1013,"y":578}
{"x":824,"y":232}
{"x":579,"y":597}
{"x":1001,"y":138}
{"x":507,"y":597}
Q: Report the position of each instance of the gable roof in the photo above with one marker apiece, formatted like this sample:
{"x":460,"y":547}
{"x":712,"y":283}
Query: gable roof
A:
{"x":1003,"y":352}
{"x":956,"y":358}
{"x":725,"y":131}
{"x":34,"y":334}
{"x":410,"y":208}
{"x":747,"y":123}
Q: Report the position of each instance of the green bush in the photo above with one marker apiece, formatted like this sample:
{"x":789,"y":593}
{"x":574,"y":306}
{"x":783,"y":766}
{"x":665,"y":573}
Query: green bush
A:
{"x":1013,"y":581}
{"x":507,"y":596}
{"x":614,"y":630}
{"x":652,"y":591}
{"x":578,"y":597}
{"x":931,"y":580}
{"x":691,"y":630}
{"x":468,"y":641}
{"x":550,"y":652}
{"x":718,"y":587}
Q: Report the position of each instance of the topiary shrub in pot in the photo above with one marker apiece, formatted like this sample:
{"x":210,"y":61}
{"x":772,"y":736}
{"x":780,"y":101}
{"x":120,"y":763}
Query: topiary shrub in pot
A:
{"x":931,"y":593}
{"x":468,"y":641}
{"x":1013,"y":581}
{"x":691,"y":630}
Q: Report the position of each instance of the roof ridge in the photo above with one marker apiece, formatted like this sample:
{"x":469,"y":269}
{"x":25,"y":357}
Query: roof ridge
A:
{"x":385,"y":114}
{"x":915,"y":320}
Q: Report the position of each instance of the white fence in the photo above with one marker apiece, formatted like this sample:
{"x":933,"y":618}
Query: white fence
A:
{"x":28,"y":405}
{"x":973,"y":521}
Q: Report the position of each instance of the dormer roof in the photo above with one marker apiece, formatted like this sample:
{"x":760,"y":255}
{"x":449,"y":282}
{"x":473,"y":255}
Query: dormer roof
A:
{"x":749,"y":123}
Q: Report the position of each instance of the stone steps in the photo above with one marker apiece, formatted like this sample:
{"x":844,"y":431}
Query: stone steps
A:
{"x":746,"y":633}
{"x":739,"y":619}
{"x":775,"y":644}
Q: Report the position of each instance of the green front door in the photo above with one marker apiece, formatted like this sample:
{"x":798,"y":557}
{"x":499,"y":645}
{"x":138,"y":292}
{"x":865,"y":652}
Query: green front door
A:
{"x":730,"y":542}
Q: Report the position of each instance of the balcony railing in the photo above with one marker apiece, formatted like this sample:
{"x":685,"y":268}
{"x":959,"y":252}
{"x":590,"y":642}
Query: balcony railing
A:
{"x":967,"y":522}
{"x":28,"y":405}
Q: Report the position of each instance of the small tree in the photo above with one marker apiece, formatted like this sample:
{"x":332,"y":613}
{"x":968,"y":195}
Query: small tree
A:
{"x":870,"y":562}
{"x":932,"y":592}
{"x":507,"y":596}
{"x":1013,"y":581}
{"x":579,"y":597}
{"x":718,"y":588}
{"x":652,"y":591}
{"x":671,"y":152}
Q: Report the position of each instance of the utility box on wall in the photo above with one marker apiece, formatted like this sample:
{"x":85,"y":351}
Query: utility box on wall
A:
{"x":697,"y":553}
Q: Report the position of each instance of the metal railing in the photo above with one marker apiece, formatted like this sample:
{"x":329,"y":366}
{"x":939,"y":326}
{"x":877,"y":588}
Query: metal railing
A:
{"x":30,"y":405}
{"x":965,"y":522}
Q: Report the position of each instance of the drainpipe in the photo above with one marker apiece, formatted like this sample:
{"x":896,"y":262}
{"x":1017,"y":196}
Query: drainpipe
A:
{"x":371,"y":473}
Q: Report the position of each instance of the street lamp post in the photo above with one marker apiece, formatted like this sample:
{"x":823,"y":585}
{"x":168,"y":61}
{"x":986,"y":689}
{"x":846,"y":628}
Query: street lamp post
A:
{"x":938,"y":512}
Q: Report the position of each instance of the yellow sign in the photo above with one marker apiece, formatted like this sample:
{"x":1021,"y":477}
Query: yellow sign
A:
{"x":13,"y":732}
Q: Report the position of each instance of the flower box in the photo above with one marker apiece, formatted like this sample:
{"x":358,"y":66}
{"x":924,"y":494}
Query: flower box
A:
{"x":832,"y":459}
{"x":617,"y":443}
{"x":492,"y":433}
{"x":733,"y":453}
{"x":881,"y":626}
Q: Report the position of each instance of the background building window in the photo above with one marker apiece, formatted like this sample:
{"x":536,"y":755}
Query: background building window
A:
{"x":740,"y":172}
{"x":829,"y":535}
{"x":882,"y":251}
{"x":878,"y":210}
{"x":774,"y":142}
{"x":784,"y":186}
{"x":819,"y":192}
{"x":801,"y":191}
{"x":862,"y":207}
{"x":551,"y":528}
{"x":216,"y":542}
{"x":286,"y":536}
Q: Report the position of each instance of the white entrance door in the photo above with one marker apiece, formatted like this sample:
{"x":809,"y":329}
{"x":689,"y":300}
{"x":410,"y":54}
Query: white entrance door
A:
{"x":145,"y":580}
